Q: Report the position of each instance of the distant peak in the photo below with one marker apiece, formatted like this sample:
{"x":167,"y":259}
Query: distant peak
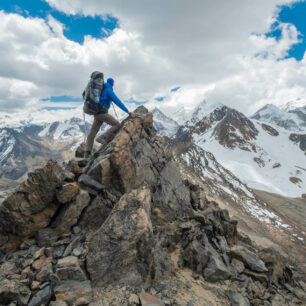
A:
{"x":204,"y":109}
{"x":267,"y":110}
{"x":292,"y":105}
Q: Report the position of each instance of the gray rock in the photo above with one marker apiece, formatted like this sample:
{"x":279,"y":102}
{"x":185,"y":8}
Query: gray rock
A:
{"x":70,"y":213}
{"x":58,"y":251}
{"x":250,"y":259}
{"x":278,"y":300}
{"x":77,"y":251}
{"x":195,"y":256}
{"x":96,"y":212}
{"x":45,"y":273}
{"x":41,"y":297}
{"x":237,"y":265}
{"x":27,"y":244}
{"x":8,"y":269}
{"x":91,"y":185}
{"x":46,"y":237}
{"x":216,"y":269}
{"x":124,"y":243}
{"x":48,"y":252}
{"x":69,"y":268}
{"x":263,"y":278}
{"x":14,"y":290}
{"x":237,"y":299}
{"x":31,"y":206}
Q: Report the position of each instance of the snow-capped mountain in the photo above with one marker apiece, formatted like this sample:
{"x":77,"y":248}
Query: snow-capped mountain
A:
{"x":202,"y":110}
{"x":164,"y":125}
{"x":261,"y":155}
{"x":20,"y":149}
{"x":266,"y":151}
{"x":291,"y":118}
{"x":292,"y":105}
{"x":27,"y":145}
{"x":73,"y":128}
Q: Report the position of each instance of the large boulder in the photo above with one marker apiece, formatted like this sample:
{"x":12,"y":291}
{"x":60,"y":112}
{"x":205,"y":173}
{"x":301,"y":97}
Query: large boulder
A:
{"x":250,"y":259}
{"x":32,"y":205}
{"x":136,"y":156}
{"x":69,"y":268}
{"x":42,"y":297}
{"x":120,"y":252}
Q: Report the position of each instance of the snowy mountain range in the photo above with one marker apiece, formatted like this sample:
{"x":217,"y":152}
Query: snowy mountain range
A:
{"x":266,"y":151}
{"x":261,"y":151}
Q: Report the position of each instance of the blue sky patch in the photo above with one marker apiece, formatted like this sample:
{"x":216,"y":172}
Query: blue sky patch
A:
{"x":175,"y":89}
{"x":131,"y":100}
{"x":61,"y":99}
{"x":50,"y":108}
{"x":76,"y":26}
{"x":294,"y":14}
{"x":159,"y":99}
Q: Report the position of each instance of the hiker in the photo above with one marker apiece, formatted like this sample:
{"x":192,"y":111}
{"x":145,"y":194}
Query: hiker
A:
{"x":107,"y":97}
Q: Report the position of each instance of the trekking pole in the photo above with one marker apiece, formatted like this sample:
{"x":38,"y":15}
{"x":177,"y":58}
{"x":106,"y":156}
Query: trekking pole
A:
{"x":115,"y":112}
{"x":85,"y":133}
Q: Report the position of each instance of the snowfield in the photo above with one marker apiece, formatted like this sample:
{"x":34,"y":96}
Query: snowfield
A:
{"x":271,"y":150}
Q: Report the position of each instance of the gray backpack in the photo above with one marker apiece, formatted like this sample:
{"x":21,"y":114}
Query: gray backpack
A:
{"x":91,"y":94}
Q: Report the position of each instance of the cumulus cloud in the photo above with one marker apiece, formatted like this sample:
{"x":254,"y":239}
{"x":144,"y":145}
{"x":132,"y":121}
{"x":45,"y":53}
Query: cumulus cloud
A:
{"x":216,"y":50}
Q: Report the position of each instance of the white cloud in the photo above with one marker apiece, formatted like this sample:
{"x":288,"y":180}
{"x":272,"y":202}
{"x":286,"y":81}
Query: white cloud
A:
{"x":214,"y":49}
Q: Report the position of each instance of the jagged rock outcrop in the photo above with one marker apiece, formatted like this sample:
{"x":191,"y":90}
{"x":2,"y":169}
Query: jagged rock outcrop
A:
{"x":125,"y":222}
{"x":121,"y":251}
{"x":299,"y":139}
{"x":32,"y":205}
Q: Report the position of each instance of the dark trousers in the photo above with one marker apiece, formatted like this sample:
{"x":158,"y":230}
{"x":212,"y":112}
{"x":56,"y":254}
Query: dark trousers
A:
{"x":99,"y":119}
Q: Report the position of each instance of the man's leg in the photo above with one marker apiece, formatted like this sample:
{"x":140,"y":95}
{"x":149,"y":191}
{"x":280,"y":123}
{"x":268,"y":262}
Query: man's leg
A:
{"x":93,"y":132}
{"x":109,"y":119}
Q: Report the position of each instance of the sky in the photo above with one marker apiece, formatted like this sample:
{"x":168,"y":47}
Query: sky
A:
{"x":175,"y":53}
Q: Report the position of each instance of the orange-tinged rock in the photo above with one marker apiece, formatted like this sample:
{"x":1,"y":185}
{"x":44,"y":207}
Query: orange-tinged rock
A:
{"x":149,"y":300}
{"x":67,"y":192}
{"x":39,"y":253}
{"x":41,"y":262}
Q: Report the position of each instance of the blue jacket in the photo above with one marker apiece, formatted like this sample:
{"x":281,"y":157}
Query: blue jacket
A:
{"x":108,"y":96}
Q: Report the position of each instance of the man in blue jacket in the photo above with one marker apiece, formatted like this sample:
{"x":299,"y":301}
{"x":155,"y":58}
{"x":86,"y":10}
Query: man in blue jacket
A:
{"x":107,"y":97}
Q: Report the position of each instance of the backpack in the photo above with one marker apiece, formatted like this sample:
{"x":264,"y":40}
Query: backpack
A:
{"x":91,"y":94}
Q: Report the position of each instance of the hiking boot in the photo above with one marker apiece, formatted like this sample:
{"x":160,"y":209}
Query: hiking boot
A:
{"x":87,"y":154}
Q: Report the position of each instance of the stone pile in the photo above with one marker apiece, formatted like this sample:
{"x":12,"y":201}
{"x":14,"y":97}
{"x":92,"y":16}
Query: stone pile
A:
{"x":74,"y":233}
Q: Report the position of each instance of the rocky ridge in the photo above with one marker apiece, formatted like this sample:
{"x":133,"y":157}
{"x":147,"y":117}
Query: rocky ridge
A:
{"x":121,"y":228}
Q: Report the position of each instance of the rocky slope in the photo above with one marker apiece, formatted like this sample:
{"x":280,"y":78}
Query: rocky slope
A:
{"x":267,"y":222}
{"x":125,"y":229}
